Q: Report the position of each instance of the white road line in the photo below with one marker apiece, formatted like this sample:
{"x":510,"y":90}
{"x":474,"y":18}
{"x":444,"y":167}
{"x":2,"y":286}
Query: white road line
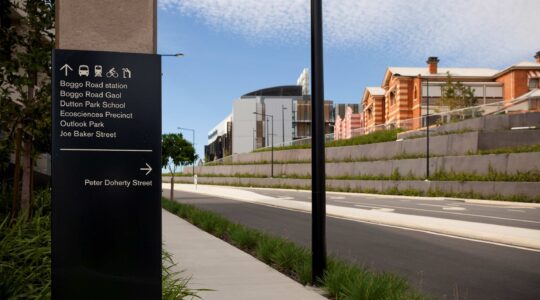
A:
{"x":447,"y":212}
{"x":439,"y":205}
{"x":336,"y":197}
{"x":517,"y":210}
{"x":453,"y":208}
{"x":434,"y":233}
{"x":496,"y":206}
{"x":383,"y":209}
{"x":347,"y":202}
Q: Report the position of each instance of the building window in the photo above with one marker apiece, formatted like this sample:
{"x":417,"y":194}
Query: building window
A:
{"x":392,"y":98}
{"x":533,"y":83}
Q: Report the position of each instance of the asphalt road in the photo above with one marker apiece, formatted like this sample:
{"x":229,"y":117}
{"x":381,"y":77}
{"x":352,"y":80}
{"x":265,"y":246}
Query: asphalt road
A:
{"x":448,"y":268}
{"x":510,"y":215}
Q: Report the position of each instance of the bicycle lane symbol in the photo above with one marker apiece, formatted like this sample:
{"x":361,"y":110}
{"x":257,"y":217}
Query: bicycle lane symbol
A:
{"x":112,"y":73}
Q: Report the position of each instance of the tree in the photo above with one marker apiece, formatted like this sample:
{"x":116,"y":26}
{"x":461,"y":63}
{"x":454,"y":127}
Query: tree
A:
{"x":175,"y":151}
{"x":455,"y":95}
{"x":25,"y":108}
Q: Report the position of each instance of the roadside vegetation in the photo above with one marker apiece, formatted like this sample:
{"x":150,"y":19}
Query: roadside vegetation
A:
{"x":340,"y":281}
{"x":25,"y":256}
{"x":379,"y":136}
{"x":439,"y":133}
{"x":519,"y":149}
{"x":492,"y":175}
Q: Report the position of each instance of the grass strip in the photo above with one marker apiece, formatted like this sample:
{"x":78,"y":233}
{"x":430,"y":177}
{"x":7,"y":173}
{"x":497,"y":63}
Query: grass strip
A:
{"x":504,"y":150}
{"x":341,"y":280}
{"x":437,"y":133}
{"x":492,"y":175}
{"x":379,"y":136}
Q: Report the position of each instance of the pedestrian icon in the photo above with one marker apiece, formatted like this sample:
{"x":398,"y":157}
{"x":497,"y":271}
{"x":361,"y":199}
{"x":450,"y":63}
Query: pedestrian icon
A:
{"x":66,"y":68}
{"x":126,"y":73}
{"x":112,"y":73}
{"x":98,"y":70}
{"x":84,"y":70}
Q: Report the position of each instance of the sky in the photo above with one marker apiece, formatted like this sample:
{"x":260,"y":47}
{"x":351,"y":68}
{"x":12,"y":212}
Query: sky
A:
{"x":233,"y":47}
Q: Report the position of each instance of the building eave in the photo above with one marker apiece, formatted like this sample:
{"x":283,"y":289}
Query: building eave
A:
{"x":513,"y":68}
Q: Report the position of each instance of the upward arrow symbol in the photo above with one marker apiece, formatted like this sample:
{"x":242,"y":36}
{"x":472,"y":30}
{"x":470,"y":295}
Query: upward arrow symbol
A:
{"x":66,"y":68}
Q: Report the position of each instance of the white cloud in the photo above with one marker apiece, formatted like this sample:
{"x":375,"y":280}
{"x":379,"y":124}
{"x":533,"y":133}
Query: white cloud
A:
{"x":479,"y":32}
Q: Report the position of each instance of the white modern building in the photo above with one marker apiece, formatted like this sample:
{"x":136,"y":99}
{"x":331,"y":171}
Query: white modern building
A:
{"x":262,"y":115}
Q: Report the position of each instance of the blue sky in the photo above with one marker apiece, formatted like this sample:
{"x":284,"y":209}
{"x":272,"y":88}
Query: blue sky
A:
{"x":236,"y":46}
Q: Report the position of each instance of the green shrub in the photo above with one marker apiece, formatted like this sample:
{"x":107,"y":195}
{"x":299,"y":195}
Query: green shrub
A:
{"x":175,"y":287}
{"x":25,"y":253}
{"x":243,"y":237}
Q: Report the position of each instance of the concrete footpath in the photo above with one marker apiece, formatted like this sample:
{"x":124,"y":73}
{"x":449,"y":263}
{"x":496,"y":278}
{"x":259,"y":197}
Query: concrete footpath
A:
{"x":229,"y":272}
{"x":506,"y":235}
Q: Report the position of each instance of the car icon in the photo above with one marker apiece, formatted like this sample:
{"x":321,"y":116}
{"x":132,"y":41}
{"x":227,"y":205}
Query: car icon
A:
{"x":84,"y":70}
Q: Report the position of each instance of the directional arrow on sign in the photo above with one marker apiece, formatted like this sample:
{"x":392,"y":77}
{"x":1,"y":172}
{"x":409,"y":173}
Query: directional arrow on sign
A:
{"x":66,"y":68}
{"x":148,"y":168}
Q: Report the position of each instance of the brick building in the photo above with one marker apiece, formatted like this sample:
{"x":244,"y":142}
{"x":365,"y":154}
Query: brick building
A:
{"x":403,"y":96}
{"x":348,"y":121}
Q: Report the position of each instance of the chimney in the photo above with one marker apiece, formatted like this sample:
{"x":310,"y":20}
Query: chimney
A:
{"x":432,"y":64}
{"x":537,"y":56}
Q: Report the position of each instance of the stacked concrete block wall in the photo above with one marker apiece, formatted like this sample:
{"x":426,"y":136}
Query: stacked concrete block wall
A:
{"x":510,"y":164}
{"x":443,"y":145}
{"x":449,"y":153}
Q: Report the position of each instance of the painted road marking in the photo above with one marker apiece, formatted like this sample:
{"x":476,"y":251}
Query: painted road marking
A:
{"x":452,"y":213}
{"x":453,"y":208}
{"x":497,"y":206}
{"x":336,"y":197}
{"x":383,"y":209}
{"x":347,"y":202}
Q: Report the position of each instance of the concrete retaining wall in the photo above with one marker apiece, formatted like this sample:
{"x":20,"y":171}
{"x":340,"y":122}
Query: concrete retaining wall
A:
{"x":444,"y":145}
{"x":473,"y":164}
{"x":486,"y":189}
{"x":487,"y":123}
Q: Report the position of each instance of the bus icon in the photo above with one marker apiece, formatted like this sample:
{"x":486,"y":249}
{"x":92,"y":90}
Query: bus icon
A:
{"x":84,"y":70}
{"x":98,"y":71}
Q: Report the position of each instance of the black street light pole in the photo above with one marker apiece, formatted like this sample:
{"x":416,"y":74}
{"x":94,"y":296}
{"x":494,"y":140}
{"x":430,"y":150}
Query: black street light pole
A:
{"x":272,"y":155}
{"x":318,"y":188}
{"x":283,"y":108}
{"x":427,"y":131}
{"x":254,"y":138}
{"x":193,"y":130}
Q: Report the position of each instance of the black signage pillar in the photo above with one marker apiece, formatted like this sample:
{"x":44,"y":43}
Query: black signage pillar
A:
{"x":106,"y":175}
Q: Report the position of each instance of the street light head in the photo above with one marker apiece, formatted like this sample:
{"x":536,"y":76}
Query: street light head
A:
{"x":175,"y":55}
